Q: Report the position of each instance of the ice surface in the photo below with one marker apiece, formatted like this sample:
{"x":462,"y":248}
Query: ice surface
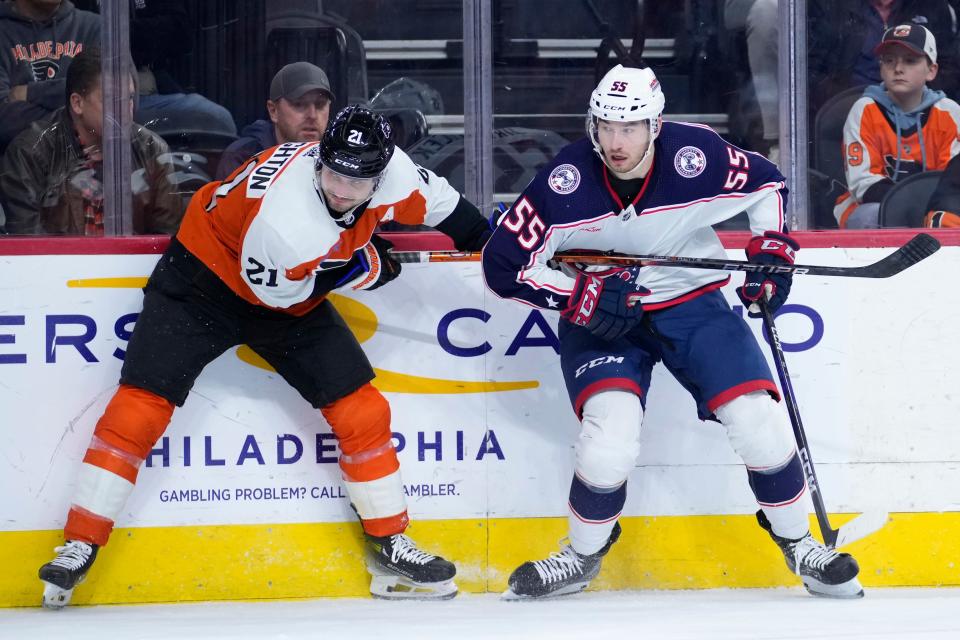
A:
{"x":764,"y":614}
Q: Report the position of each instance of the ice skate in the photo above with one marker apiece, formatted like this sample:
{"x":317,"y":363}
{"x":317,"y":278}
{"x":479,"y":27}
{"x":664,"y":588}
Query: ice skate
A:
{"x":401,"y":571}
{"x":65,"y":572}
{"x":563,"y":573}
{"x":825,"y":572}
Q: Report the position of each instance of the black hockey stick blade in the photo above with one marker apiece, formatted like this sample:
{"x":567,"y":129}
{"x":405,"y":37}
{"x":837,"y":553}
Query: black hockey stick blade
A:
{"x":919,"y":247}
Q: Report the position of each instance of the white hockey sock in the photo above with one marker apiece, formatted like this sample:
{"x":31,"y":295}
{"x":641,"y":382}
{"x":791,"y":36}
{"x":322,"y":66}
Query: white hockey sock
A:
{"x":587,"y":538}
{"x":789,"y":520}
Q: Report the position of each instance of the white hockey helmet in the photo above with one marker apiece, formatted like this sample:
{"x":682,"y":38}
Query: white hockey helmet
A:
{"x":626,"y":94}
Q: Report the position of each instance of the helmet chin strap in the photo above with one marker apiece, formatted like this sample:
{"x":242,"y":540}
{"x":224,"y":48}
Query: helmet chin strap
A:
{"x":347,"y":219}
{"x":640,"y":169}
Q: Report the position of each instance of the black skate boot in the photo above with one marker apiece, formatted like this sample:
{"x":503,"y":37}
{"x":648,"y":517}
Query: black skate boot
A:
{"x":825,"y":572}
{"x":401,"y":571}
{"x":561,"y":574}
{"x":66,"y":571}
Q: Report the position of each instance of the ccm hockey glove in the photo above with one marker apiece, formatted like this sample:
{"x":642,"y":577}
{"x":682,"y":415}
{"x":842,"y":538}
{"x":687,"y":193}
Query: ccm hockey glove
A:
{"x":380,"y":266}
{"x":608,"y":307}
{"x":772,"y":248}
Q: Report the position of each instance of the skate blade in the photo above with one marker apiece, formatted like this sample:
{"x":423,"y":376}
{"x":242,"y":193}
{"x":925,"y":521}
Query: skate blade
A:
{"x":55,"y":597}
{"x":849,"y":590}
{"x":399,"y":588}
{"x":568,"y":590}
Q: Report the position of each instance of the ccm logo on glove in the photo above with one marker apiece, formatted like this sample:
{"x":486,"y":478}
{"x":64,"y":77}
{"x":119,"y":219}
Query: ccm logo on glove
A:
{"x":783,"y":248}
{"x":608,"y":307}
{"x":772,"y":248}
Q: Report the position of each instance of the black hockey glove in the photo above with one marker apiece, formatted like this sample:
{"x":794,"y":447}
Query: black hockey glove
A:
{"x":380,"y":266}
{"x":773,"y":248}
{"x":609,"y":307}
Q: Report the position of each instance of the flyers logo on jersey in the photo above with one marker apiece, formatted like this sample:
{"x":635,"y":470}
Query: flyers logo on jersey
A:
{"x":268,"y":170}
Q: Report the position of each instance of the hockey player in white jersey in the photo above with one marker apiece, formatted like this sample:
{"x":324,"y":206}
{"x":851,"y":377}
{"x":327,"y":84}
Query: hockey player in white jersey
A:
{"x":253,"y":263}
{"x":638,"y":185}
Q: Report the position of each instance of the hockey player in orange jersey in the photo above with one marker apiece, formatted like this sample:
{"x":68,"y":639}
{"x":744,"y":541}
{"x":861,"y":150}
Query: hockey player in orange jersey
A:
{"x":253,"y":261}
{"x":896,"y":129}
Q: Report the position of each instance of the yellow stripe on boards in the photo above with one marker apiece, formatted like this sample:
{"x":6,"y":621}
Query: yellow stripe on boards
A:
{"x":236,"y":562}
{"x":108,"y":283}
{"x":391,"y":381}
{"x":705,"y":552}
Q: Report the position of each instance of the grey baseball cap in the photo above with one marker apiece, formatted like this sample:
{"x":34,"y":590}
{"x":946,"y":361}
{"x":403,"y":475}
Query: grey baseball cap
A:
{"x":297,"y":78}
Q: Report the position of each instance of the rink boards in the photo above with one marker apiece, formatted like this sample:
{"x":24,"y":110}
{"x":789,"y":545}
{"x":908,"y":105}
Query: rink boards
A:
{"x":241,"y":498}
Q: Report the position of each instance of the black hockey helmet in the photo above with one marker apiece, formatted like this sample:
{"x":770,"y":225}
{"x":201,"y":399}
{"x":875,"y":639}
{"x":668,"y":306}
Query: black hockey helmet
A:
{"x":357,"y":143}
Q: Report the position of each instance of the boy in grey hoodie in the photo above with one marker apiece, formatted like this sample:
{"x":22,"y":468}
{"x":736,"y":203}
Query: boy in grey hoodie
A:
{"x":38,"y":40}
{"x":898,"y":128}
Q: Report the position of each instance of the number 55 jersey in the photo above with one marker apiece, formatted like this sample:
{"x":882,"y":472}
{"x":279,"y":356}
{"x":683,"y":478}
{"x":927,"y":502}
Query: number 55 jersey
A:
{"x":697,"y":180}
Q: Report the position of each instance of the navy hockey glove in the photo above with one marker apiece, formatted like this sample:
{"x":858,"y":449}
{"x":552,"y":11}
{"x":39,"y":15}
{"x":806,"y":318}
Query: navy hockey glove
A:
{"x":773,"y":248}
{"x":380,"y":266}
{"x":608,"y":307}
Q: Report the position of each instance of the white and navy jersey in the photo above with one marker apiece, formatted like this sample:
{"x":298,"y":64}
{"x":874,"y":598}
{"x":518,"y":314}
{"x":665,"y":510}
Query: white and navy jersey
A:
{"x":267,"y":233}
{"x":698,"y":179}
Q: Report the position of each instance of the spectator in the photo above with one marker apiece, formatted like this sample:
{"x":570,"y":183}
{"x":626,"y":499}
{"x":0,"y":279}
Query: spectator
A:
{"x":944,"y":207}
{"x":38,"y":39}
{"x":52,"y":173}
{"x":842,"y":36}
{"x":299,"y":107}
{"x":160,"y":33}
{"x":760,"y":20}
{"x":898,"y":128}
{"x":157,"y":31}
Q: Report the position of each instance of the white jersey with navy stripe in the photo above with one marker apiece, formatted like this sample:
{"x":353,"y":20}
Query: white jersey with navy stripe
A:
{"x":698,"y":179}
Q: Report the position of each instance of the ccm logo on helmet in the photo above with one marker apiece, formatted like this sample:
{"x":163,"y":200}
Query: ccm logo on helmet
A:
{"x":613,"y":107}
{"x":345,"y":163}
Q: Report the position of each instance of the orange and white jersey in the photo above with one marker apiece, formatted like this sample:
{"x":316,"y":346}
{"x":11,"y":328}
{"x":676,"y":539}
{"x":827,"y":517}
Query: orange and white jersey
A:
{"x":265,"y":229}
{"x":871,"y":153}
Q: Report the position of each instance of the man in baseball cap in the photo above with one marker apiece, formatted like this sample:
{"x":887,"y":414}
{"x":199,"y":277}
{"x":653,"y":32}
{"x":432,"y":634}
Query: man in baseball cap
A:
{"x":914,"y":37}
{"x":298,"y":78}
{"x":298,"y":106}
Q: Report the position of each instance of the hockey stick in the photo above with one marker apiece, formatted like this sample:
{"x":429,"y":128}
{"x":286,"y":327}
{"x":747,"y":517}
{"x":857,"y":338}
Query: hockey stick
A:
{"x":916,"y":249}
{"x":435,"y":256}
{"x":861,"y":526}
